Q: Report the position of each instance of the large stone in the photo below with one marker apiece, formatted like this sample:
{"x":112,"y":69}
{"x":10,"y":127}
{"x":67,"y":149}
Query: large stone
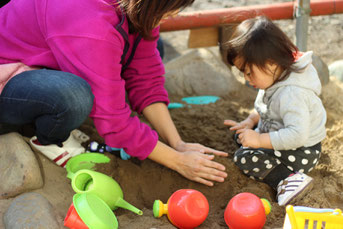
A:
{"x":30,"y":211}
{"x":199,"y":72}
{"x":336,"y":69}
{"x":322,"y":69}
{"x":19,"y":169}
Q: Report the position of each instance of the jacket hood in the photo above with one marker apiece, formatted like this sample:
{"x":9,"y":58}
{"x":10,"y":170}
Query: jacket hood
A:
{"x":307,"y":77}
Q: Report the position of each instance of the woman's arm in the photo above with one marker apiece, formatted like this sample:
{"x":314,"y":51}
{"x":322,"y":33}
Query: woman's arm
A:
{"x":187,"y":159}
{"x":159,"y":117}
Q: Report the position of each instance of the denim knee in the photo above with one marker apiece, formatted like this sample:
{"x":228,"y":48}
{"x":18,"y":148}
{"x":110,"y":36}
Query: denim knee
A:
{"x":55,"y":101}
{"x":83,"y":98}
{"x":78,"y":100}
{"x":74,"y":101}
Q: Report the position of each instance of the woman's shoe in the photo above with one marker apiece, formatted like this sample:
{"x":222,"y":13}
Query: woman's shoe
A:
{"x":60,"y":155}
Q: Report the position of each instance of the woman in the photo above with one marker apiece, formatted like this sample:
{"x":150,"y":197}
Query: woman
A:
{"x":55,"y":55}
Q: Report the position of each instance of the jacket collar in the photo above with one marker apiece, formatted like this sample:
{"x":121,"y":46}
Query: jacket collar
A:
{"x":123,"y":26}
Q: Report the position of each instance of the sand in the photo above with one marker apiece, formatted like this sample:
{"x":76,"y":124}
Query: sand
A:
{"x":145,"y":181}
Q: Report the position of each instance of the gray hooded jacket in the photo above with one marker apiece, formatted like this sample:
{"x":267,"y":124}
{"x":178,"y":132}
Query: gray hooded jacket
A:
{"x":291,"y":110}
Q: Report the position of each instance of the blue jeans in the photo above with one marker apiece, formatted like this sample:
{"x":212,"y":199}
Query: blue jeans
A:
{"x":55,"y":102}
{"x":160,"y":47}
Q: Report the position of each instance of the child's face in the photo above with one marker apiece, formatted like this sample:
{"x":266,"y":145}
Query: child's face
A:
{"x":258,"y":78}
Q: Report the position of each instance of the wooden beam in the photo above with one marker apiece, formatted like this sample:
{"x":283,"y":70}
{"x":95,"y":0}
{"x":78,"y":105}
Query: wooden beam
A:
{"x":204,"y":37}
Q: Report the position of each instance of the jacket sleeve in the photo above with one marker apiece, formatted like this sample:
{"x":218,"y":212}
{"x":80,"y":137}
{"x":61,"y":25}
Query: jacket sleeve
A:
{"x":98,"y":62}
{"x":295,"y":113}
{"x":144,"y":76}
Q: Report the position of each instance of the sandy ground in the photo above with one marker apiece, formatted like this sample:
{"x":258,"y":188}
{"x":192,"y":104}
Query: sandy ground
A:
{"x":143,"y":182}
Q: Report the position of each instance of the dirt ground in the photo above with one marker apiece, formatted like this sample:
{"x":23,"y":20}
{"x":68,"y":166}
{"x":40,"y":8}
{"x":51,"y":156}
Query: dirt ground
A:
{"x":145,"y":181}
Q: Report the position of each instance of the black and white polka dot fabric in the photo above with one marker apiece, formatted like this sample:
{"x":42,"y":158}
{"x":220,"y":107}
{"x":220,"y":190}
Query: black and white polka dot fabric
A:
{"x":258,"y":163}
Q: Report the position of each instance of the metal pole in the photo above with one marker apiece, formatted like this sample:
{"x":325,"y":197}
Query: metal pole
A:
{"x":302,"y":15}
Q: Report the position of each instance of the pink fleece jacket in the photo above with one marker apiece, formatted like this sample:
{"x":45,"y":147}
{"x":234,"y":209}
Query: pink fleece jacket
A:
{"x":88,"y":38}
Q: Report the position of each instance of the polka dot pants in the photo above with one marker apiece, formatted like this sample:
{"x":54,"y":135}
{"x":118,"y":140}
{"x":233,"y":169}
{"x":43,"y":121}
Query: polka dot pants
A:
{"x":258,"y":163}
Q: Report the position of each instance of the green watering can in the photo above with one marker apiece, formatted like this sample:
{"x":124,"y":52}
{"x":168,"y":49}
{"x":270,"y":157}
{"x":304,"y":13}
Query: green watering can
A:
{"x":84,"y":161}
{"x":106,"y":188}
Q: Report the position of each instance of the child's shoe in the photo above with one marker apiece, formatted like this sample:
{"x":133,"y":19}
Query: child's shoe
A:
{"x":60,"y":155}
{"x":293,"y":188}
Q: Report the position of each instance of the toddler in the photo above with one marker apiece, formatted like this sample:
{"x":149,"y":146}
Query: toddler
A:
{"x":281,"y":140}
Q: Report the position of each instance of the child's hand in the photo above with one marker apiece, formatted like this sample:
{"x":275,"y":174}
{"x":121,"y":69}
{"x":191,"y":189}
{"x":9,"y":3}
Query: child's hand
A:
{"x":245,"y":124}
{"x":249,"y":138}
{"x":184,"y":147}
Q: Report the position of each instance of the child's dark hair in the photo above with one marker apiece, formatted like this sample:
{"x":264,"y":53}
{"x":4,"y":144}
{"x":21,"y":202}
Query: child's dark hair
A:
{"x":258,"y":41}
{"x":144,"y":15}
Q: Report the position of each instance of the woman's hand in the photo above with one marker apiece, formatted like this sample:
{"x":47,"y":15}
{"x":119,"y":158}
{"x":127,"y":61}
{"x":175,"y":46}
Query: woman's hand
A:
{"x":182,"y":146}
{"x":199,"y":167}
{"x":194,"y":165}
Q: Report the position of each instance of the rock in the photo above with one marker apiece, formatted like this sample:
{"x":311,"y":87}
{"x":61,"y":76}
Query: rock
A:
{"x":322,"y":69}
{"x":336,"y":69}
{"x":199,"y":72}
{"x":19,"y":169}
{"x":30,"y":211}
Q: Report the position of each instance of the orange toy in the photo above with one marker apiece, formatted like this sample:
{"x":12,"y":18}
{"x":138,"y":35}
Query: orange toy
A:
{"x":186,"y":208}
{"x":246,"y":211}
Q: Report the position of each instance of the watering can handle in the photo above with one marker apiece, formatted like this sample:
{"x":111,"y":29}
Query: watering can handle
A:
{"x":70,"y":175}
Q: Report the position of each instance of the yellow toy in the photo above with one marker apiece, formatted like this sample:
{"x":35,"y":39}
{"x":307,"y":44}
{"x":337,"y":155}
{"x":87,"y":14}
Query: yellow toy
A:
{"x":299,"y":217}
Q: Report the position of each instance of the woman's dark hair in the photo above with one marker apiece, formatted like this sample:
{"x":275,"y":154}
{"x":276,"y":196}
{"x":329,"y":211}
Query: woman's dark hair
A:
{"x":145,"y":15}
{"x":258,"y":41}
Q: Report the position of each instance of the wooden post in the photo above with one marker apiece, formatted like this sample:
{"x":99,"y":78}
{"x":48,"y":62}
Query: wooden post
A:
{"x":204,"y":37}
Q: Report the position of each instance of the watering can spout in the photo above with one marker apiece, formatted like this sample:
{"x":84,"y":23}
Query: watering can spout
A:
{"x":123,"y":204}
